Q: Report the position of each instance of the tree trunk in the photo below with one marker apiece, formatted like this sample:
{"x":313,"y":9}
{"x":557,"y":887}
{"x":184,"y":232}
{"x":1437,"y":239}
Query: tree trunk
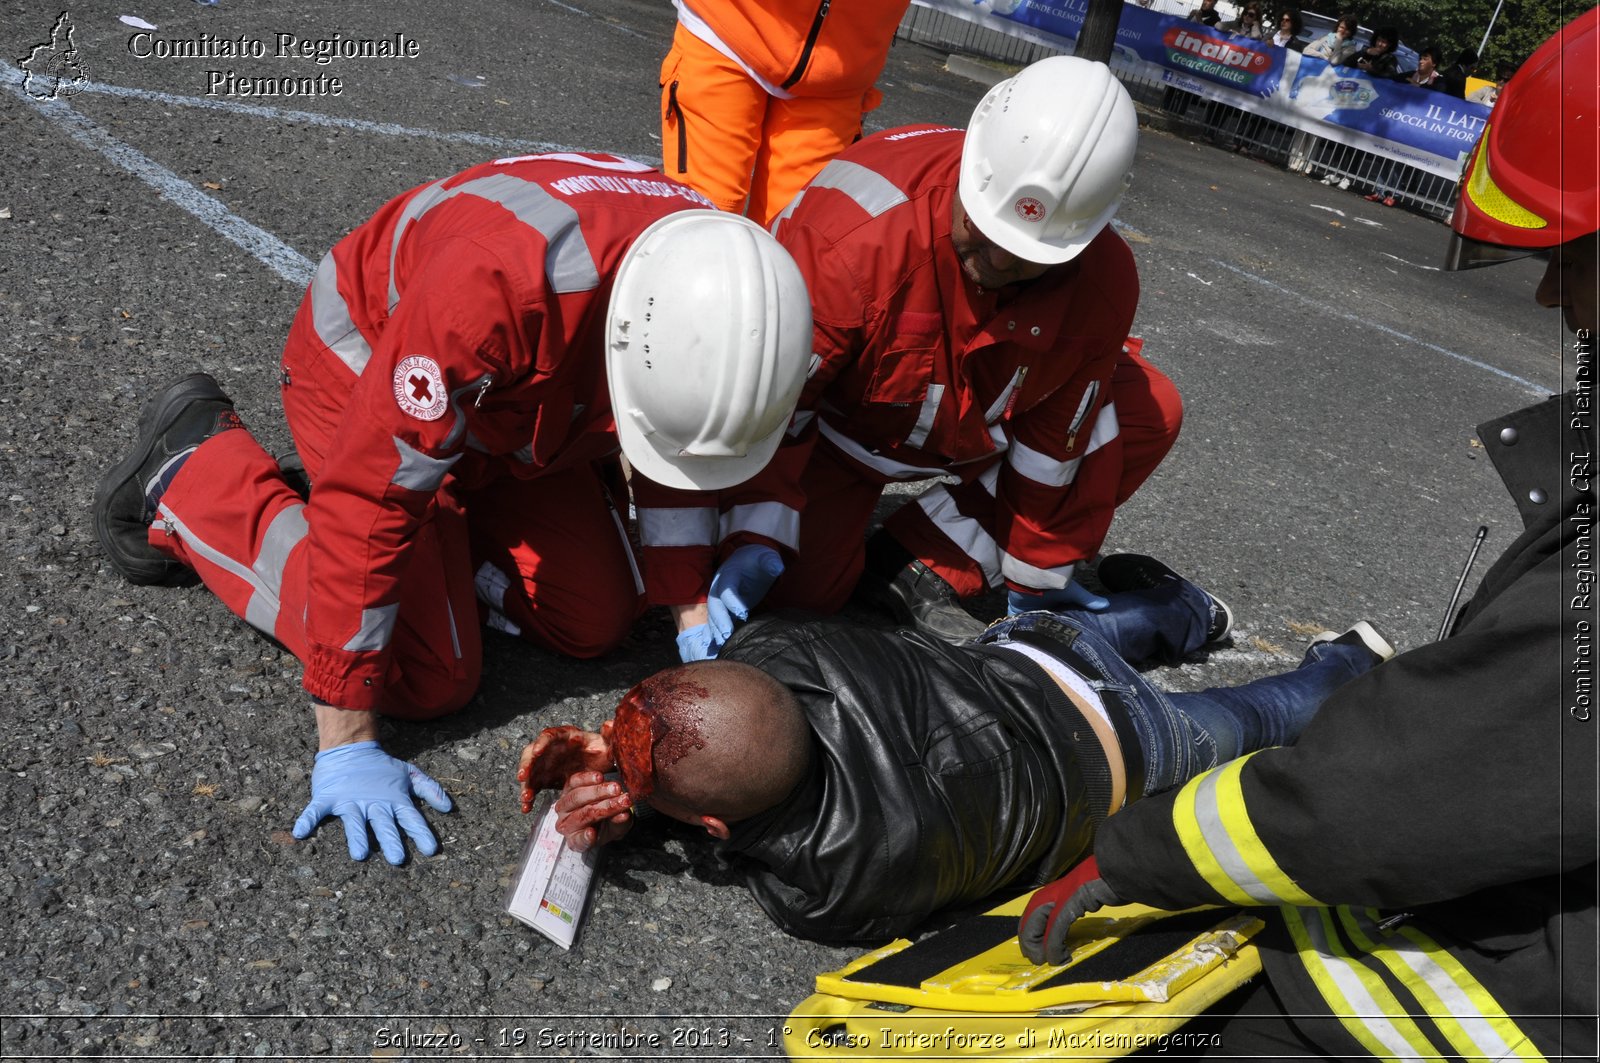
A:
{"x":1099,"y":30}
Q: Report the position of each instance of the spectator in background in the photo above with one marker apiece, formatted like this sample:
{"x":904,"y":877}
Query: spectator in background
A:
{"x":1426,"y":75}
{"x":1454,"y":80}
{"x":1288,"y":33}
{"x":1248,"y":24}
{"x":1338,"y":44}
{"x":1378,"y":58}
{"x":1207,"y":13}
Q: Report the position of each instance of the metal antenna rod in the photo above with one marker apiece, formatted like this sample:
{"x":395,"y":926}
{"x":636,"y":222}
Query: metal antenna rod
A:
{"x":1450,"y":610}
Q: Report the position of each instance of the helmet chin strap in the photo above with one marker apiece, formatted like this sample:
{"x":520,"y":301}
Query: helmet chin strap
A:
{"x":1464,"y":252}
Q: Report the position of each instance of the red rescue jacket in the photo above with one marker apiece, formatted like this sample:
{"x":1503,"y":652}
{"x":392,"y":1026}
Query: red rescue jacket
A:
{"x":920,"y":372}
{"x":468,"y":315}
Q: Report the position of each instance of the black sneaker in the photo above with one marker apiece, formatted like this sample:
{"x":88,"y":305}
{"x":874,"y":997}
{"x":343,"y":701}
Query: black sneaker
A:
{"x":1362,"y":634}
{"x":173,"y":424}
{"x":1134,"y":572}
{"x":920,"y":597}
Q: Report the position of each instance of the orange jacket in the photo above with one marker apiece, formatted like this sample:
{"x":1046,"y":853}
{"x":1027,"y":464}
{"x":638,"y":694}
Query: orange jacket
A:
{"x":808,"y":47}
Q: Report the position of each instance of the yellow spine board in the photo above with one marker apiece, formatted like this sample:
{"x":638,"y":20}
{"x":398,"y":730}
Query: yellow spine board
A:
{"x":1001,"y":979}
{"x":996,"y":1005}
{"x":825,"y":1027}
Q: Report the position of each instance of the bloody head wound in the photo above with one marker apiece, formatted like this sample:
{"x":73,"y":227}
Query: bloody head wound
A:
{"x":657,"y":724}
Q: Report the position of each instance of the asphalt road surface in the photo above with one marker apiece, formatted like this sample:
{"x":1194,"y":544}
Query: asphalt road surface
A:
{"x":155,"y":751}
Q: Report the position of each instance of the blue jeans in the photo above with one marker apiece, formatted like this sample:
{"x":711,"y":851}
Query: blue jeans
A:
{"x":1182,"y":735}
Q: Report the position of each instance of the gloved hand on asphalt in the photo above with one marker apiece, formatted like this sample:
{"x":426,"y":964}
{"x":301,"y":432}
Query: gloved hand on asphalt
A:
{"x":366,"y":787}
{"x":1053,"y":909}
{"x":697,"y":644}
{"x":738,"y":586}
{"x":1072,"y":596}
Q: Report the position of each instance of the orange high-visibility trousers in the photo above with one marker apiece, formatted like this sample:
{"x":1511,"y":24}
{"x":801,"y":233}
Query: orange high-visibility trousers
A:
{"x":747,"y":151}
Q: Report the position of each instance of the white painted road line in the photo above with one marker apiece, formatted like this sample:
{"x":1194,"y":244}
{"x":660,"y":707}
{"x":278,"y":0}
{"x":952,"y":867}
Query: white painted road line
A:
{"x":1532,"y":388}
{"x":603,"y":21}
{"x":270,"y":251}
{"x":503,"y":145}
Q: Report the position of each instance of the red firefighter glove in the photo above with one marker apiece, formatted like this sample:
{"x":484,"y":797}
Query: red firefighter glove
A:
{"x":1054,"y":908}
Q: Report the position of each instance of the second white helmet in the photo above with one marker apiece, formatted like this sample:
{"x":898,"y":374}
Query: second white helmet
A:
{"x":708,"y":337}
{"x":1047,"y":157}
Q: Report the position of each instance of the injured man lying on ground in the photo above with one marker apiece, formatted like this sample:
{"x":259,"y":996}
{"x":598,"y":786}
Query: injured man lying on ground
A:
{"x":864,"y":780}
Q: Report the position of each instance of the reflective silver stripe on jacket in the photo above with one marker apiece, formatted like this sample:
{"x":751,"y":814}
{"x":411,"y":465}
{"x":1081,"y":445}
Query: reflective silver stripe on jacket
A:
{"x":1046,"y":470}
{"x":1044,"y":579}
{"x":873,"y":192}
{"x":774,"y":520}
{"x":417,"y":471}
{"x":331,"y":318}
{"x":969,"y":535}
{"x":377,"y":628}
{"x":684,"y":526}
{"x":877,"y":462}
{"x":568,"y":265}
{"x":925,"y":418}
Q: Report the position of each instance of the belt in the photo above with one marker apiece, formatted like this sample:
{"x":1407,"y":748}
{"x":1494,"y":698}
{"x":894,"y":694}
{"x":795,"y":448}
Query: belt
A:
{"x":1057,"y":641}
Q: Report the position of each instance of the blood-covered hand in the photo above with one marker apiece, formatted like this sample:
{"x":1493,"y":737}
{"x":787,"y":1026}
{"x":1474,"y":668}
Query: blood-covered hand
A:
{"x":558,"y":754}
{"x":592,"y":810}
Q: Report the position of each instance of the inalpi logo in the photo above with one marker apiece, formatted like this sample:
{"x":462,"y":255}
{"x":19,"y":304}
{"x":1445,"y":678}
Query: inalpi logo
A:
{"x":1226,"y":53}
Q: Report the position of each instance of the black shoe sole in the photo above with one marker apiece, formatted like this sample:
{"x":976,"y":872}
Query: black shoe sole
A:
{"x":119,"y":497}
{"x":1362,"y":634}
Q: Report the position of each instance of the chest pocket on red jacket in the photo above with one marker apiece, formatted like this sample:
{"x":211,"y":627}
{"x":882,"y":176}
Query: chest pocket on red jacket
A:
{"x":898,"y":391}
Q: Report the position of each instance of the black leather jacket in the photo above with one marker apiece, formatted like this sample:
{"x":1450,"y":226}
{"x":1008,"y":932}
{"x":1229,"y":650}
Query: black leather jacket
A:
{"x":940,"y":774}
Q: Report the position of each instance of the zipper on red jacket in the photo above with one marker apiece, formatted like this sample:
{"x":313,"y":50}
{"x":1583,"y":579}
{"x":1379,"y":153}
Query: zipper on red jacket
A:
{"x":1083,"y":412}
{"x":811,"y":42}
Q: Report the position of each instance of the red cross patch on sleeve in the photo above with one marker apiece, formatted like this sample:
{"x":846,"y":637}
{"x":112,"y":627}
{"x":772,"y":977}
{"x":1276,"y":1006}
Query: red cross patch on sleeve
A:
{"x":419,"y":388}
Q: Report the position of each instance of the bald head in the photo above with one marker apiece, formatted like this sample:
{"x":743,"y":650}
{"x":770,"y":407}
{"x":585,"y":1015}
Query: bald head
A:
{"x":724,"y":739}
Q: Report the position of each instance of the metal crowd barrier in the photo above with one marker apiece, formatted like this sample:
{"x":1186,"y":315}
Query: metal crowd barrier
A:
{"x":1229,"y":128}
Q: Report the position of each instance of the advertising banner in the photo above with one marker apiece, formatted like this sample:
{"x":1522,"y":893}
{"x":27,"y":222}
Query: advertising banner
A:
{"x":1420,"y":127}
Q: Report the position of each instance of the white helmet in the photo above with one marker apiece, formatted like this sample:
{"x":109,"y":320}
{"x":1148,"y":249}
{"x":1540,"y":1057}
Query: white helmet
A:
{"x":707,"y":339}
{"x":1047,"y":157}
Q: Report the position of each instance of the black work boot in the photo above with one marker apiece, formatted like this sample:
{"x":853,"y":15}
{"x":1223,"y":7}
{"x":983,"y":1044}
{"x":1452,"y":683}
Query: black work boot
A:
{"x":897,"y":583}
{"x":172,"y":426}
{"x":1131,"y":572}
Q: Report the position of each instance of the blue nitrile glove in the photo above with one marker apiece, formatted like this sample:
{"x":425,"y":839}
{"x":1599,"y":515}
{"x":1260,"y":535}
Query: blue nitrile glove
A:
{"x":1072,"y":596}
{"x":739,"y":584}
{"x":696,"y":644}
{"x":366,"y":787}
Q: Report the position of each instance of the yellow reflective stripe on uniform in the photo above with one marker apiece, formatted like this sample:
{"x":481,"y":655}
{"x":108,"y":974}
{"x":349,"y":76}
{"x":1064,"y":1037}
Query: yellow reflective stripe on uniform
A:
{"x":1215,"y":829}
{"x":1356,"y":996}
{"x":1466,"y":1013}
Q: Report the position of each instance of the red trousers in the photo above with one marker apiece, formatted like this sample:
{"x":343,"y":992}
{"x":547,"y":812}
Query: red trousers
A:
{"x":841,"y":500}
{"x":546,"y":558}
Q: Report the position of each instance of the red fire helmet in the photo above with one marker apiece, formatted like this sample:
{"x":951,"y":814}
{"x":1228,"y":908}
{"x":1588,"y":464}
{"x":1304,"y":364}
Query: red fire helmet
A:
{"x":1533,"y":180}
